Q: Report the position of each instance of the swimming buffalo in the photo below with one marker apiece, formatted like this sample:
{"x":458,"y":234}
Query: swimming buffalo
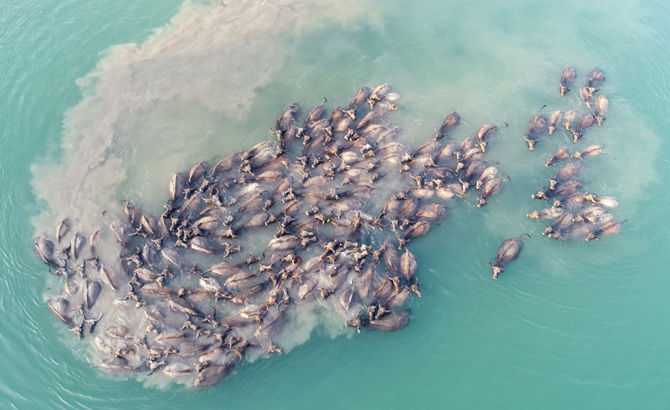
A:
{"x":585,"y":122}
{"x":508,"y":252}
{"x":602,"y":107}
{"x":536,"y":127}
{"x":449,"y":123}
{"x":554,"y":119}
{"x":591,"y":151}
{"x":561,"y":155}
{"x":567,"y":78}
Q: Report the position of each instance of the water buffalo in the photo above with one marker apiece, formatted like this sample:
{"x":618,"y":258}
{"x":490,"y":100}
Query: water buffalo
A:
{"x":409,"y":208}
{"x":212,"y":375}
{"x":62,"y":229}
{"x":398,"y":298}
{"x":315,"y":114}
{"x":609,"y":229}
{"x":508,"y":252}
{"x":431,"y":212}
{"x":374,"y":117}
{"x":416,"y":230}
{"x":573,"y":201}
{"x":491,"y":187}
{"x":554,"y":119}
{"x":584,"y":123}
{"x":428,"y":148}
{"x":586,"y":94}
{"x":45,"y":250}
{"x":364,"y":283}
{"x":60,"y":308}
{"x":569,"y":119}
{"x":565,"y":188}
{"x":445,"y":153}
{"x":132,"y":215}
{"x":595,"y":78}
{"x":449,"y":123}
{"x":485,"y":132}
{"x":360,"y":99}
{"x":288,"y":117}
{"x":475,"y":170}
{"x":347,"y":297}
{"x":567,"y":78}
{"x":464,"y":147}
{"x":270,"y":327}
{"x":408,"y":266}
{"x":561,"y":155}
{"x":591,"y":151}
{"x":488,"y":174}
{"x":536,"y":126}
{"x":196,"y":173}
{"x":548,"y":213}
{"x":177,"y":369}
{"x":380,"y":92}
{"x":564,"y":174}
{"x":388,"y":136}
{"x":602,"y":107}
{"x":391,"y":258}
{"x":226,"y":164}
{"x":184,"y":306}
{"x":607,"y":202}
{"x":562,"y":222}
{"x":392,"y":322}
{"x":591,"y":214}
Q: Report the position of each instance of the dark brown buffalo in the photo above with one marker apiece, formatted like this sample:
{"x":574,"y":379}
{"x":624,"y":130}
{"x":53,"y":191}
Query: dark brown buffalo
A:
{"x":491,"y":187}
{"x":288,"y":117}
{"x":554,"y":119}
{"x":566,"y":173}
{"x":392,"y":322}
{"x":561,"y":155}
{"x":45,"y":250}
{"x":374,"y":117}
{"x":431,"y":212}
{"x":567,"y":78}
{"x":314,"y":115}
{"x":408,"y":266}
{"x":391,"y":258}
{"x":508,"y":252}
{"x":609,"y":229}
{"x":595,"y":78}
{"x":212,"y":375}
{"x":536,"y":126}
{"x":602,"y":107}
{"x":484,"y":133}
{"x":449,"y":124}
{"x":226,"y":164}
{"x":360,"y":98}
{"x":585,"y":122}
{"x":416,"y":230}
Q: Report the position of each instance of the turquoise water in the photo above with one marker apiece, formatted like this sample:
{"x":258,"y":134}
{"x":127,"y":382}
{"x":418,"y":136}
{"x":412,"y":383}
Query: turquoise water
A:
{"x":570,"y":324}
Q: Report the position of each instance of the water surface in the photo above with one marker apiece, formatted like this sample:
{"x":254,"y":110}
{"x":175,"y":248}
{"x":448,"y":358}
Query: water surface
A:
{"x":100,"y":106}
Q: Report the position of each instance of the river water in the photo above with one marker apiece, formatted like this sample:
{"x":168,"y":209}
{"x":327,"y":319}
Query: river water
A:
{"x":104,"y":101}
